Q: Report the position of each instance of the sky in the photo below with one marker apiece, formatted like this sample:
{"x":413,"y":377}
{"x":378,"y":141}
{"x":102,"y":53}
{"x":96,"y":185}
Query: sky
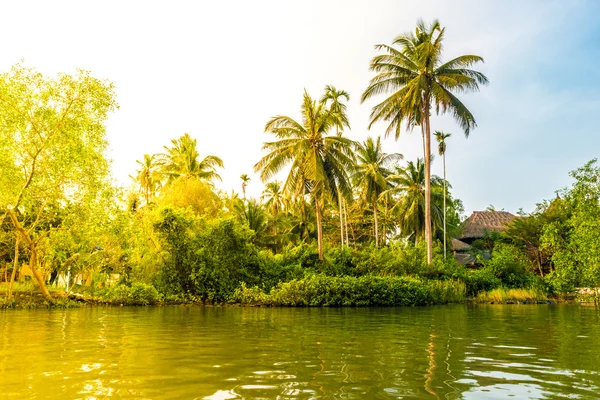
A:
{"x":220,"y":70}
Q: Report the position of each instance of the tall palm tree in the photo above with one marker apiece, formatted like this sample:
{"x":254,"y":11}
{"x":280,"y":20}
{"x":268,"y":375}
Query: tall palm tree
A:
{"x":245,"y":179}
{"x":418,"y":80}
{"x":441,"y":139}
{"x":371,"y":174}
{"x":148,"y":176}
{"x":182,"y":159}
{"x":319,"y":161}
{"x":334,"y":98}
{"x":409,"y":182}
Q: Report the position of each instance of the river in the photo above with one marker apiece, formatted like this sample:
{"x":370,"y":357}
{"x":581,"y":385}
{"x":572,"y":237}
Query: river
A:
{"x":190,"y":352}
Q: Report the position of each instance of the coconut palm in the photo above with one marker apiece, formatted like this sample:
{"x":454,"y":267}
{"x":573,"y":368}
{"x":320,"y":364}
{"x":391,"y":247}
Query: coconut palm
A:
{"x":372,"y":170}
{"x":182,"y":159}
{"x":319,"y":161}
{"x":148,"y":176}
{"x":273,"y":197}
{"x":409,"y":182}
{"x":417,"y":80}
{"x":333,"y":97}
{"x":245,"y":179}
{"x":441,"y":139}
{"x":252,"y":214}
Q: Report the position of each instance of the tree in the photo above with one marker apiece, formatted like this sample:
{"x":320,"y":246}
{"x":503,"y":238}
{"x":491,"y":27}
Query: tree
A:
{"x":182,"y":159}
{"x":245,"y":179}
{"x":51,"y":149}
{"x":273,"y":197}
{"x":409,"y":182}
{"x":148,"y":176}
{"x":319,"y":161}
{"x":441,"y":139}
{"x":418,"y":80}
{"x":333,"y":97}
{"x":372,"y":170}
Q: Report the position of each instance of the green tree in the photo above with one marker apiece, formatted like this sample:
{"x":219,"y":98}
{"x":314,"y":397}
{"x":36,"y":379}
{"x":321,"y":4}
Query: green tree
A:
{"x":409,"y":182}
{"x":148,"y":176}
{"x":372,"y":170}
{"x":418,"y":81}
{"x":334,"y":98}
{"x":441,"y":139}
{"x":52,"y":149}
{"x":245,"y":179}
{"x":182,"y":159}
{"x":274,"y":198}
{"x":319,"y":161}
{"x":252,"y":214}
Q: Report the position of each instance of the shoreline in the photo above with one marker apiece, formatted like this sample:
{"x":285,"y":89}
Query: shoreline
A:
{"x":27,"y":300}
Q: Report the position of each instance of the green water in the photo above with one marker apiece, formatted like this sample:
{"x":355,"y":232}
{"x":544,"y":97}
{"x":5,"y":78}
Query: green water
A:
{"x":444,"y":352}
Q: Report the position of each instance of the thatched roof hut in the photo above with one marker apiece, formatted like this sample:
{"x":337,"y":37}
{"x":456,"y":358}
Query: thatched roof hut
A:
{"x":474,"y":228}
{"x":459,"y":245}
{"x":480,"y":221}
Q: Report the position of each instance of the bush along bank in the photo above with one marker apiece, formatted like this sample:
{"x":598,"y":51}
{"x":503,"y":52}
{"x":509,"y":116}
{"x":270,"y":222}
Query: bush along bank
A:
{"x":321,"y":290}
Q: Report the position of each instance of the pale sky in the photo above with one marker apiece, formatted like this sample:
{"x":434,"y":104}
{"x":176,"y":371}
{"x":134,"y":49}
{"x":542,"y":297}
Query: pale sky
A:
{"x":220,"y":70}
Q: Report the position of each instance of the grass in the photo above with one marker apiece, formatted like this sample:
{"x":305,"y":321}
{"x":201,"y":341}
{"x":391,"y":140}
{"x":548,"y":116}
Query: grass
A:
{"x":503,"y":295}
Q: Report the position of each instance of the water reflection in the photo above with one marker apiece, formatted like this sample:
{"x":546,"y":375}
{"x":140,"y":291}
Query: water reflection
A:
{"x":225,"y":353}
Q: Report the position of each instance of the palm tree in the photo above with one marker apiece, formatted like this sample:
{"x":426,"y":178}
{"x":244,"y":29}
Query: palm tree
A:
{"x":245,"y":179}
{"x":148,"y":176}
{"x":273,"y":197}
{"x":372,"y":172}
{"x":319,"y":161}
{"x":182,"y":159}
{"x":252,"y":214}
{"x":333,"y":97}
{"x":417,"y":81}
{"x":409,"y":182}
{"x":441,"y":139}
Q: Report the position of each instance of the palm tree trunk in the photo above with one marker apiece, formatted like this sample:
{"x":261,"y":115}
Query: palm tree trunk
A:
{"x":385,"y":217}
{"x":376,"y":227}
{"x":444,"y":158}
{"x":319,"y":230}
{"x":341,"y":219}
{"x":346,"y":223}
{"x":428,"y":236}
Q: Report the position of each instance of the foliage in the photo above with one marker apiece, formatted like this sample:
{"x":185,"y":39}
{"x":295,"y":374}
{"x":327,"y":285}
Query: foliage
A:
{"x":137,"y":293}
{"x":510,"y":265}
{"x":418,"y":81}
{"x":480,"y":280}
{"x":191,"y":192}
{"x":52,"y":150}
{"x":503,"y":295}
{"x":182,"y":159}
{"x":368,"y":290}
{"x":206,"y":259}
{"x":319,"y":161}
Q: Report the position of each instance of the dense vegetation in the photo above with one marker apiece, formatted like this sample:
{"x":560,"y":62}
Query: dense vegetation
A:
{"x":350,"y":225}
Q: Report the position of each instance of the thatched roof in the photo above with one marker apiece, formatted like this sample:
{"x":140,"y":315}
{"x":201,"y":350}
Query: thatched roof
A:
{"x":465,"y":259}
{"x":481,"y":221}
{"x":458,"y":245}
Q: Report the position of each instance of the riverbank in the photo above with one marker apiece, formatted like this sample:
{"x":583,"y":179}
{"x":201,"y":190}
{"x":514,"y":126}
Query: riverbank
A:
{"x":253,"y":297}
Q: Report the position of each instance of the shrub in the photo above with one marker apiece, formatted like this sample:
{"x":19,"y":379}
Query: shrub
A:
{"x":136,"y":294}
{"x":367,"y":290}
{"x":480,"y":280}
{"x":208,"y":262}
{"x":510,"y":265}
{"x":250,"y":295}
